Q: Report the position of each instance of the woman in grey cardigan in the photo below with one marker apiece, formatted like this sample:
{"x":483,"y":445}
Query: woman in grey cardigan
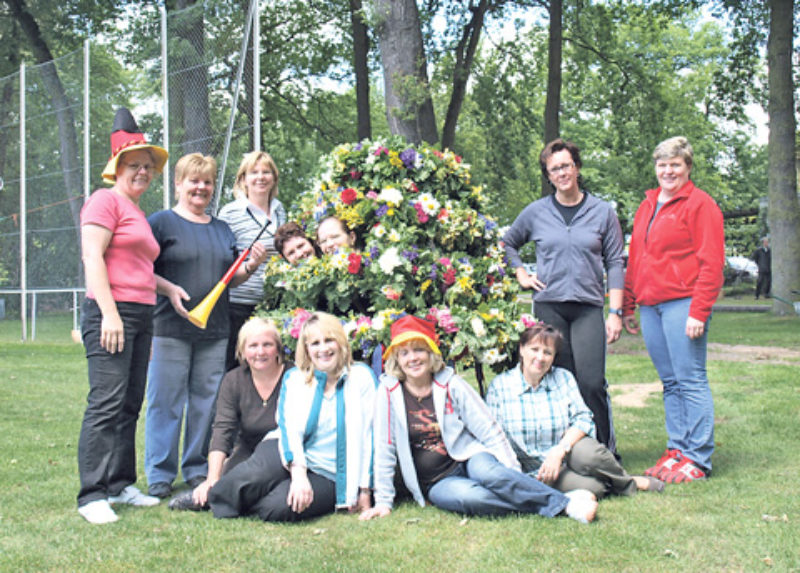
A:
{"x":432,"y":425}
{"x":577,"y":238}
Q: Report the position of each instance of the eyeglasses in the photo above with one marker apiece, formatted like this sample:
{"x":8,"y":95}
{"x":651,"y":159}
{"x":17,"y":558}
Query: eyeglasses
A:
{"x":136,"y":167}
{"x":561,"y":168}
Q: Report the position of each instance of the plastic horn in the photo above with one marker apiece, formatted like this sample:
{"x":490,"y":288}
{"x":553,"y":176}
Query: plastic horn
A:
{"x":199,"y":314}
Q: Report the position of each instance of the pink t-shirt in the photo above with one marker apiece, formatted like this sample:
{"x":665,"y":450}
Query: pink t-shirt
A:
{"x":132,"y":250}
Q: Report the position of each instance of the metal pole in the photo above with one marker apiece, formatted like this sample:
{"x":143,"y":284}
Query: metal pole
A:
{"x":23,"y":208}
{"x":256,"y":79}
{"x":33,"y":316}
{"x":165,"y":100}
{"x":87,"y":163}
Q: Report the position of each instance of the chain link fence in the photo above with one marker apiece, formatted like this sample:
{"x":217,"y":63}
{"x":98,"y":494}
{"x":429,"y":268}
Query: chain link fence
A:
{"x":55,"y":122}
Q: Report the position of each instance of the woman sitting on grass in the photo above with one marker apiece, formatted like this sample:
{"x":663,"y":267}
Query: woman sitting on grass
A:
{"x":246,"y":406}
{"x":548,"y":424}
{"x":432,"y":424}
{"x":320,"y":457}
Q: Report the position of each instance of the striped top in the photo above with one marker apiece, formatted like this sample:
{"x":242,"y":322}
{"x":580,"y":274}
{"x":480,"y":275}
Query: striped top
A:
{"x":246,"y":220}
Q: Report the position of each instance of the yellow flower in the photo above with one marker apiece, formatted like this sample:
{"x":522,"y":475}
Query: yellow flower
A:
{"x":424,"y":286}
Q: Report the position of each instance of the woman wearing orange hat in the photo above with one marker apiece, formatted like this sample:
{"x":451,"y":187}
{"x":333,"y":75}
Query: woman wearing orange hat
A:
{"x":117,"y":321}
{"x":450,"y":450}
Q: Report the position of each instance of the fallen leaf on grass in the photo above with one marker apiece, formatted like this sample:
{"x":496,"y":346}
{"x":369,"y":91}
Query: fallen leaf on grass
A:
{"x":464,"y":521}
{"x":670,"y":553}
{"x":413,"y":520}
{"x":767,"y":561}
{"x":784,"y":518}
{"x":319,"y":531}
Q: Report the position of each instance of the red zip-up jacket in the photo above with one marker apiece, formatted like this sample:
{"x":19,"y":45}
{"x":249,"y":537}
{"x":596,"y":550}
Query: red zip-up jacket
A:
{"x":681,"y":254}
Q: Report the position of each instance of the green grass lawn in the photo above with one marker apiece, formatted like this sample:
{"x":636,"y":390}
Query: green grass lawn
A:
{"x":746,"y":518}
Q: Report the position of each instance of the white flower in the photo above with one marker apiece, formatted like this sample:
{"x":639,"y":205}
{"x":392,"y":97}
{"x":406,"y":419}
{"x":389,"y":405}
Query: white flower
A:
{"x":339,"y":260}
{"x":349,"y":327}
{"x":496,"y":288}
{"x":493,"y":356}
{"x":477,"y":326}
{"x":429,"y":204}
{"x":390,"y":260}
{"x":391,"y":196}
{"x":379,"y":231}
{"x":465,"y":268}
{"x":394,"y":236}
{"x":378,"y":322}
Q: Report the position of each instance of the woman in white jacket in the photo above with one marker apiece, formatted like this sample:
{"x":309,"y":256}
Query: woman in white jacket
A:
{"x":320,"y":457}
{"x":434,"y":426}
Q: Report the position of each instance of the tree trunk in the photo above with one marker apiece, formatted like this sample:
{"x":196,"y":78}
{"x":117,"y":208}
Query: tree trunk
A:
{"x":784,"y":211}
{"x":69,"y":155}
{"x":409,"y":108}
{"x":361,"y":68}
{"x":553,"y":101}
{"x":465,"y":54}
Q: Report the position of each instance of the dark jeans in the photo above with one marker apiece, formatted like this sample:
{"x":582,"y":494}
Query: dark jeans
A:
{"x":584,"y":354}
{"x":238,"y":313}
{"x":106,"y":447}
{"x":260,"y":485}
{"x":763,"y":284}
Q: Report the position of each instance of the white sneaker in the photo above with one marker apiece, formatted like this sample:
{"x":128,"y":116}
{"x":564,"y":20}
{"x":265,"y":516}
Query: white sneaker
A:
{"x":98,"y":512}
{"x":582,"y":505}
{"x":132,"y":496}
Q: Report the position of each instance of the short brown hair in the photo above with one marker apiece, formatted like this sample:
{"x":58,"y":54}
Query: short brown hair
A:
{"x":554,"y":147}
{"x":549,"y":334}
{"x":288,"y":231}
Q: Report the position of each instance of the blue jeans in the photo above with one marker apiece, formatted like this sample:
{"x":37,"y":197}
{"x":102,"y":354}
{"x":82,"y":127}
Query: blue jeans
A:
{"x":484,"y":486}
{"x":107,"y":444}
{"x":681,"y":364}
{"x":182,"y":375}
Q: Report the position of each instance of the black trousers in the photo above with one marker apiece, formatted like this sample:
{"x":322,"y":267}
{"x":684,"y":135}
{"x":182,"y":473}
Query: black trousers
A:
{"x":238,"y":313}
{"x":763,"y":284}
{"x":584,"y":354}
{"x":260,"y":486}
{"x":106,"y":447}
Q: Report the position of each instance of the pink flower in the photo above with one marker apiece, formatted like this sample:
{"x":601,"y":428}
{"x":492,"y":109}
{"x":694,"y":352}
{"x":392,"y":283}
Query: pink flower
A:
{"x":528,"y":320}
{"x":372,"y":195}
{"x":422,"y":217}
{"x":355,"y":175}
{"x":443,"y":319}
{"x":445,"y":261}
{"x":449,"y":276}
{"x":300,"y":316}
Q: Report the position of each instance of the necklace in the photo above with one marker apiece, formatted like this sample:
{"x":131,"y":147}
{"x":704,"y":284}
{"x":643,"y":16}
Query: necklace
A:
{"x":267,"y":387}
{"x":426,"y":393}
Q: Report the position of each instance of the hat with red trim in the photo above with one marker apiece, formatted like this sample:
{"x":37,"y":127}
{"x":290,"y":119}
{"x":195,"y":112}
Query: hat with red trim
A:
{"x":413,"y":328}
{"x":125,"y":136}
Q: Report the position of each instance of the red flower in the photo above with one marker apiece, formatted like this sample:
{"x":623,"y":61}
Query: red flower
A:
{"x":449,"y":276}
{"x":349,"y":195}
{"x":355,"y":175}
{"x":490,"y":280}
{"x":354,"y":263}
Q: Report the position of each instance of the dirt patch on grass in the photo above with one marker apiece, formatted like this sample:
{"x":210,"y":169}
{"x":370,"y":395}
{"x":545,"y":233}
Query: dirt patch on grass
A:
{"x":633,"y":395}
{"x":744,"y":353}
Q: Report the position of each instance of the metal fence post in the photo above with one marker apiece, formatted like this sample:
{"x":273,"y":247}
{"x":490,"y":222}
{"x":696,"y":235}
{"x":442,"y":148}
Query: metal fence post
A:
{"x":23,"y":209}
{"x":256,"y":78}
{"x":165,"y":100}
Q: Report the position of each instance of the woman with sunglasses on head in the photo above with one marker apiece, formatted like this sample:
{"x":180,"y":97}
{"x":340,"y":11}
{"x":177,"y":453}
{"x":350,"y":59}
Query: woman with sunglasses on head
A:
{"x":550,"y":428}
{"x":255,"y":205}
{"x":578,"y":238}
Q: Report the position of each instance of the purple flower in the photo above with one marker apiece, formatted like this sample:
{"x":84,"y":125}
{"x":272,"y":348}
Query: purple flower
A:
{"x":463,"y":260}
{"x":381,"y":211}
{"x":373,"y":252}
{"x":411,"y":254}
{"x":357,"y":147}
{"x":484,"y":290}
{"x":409,"y":158}
{"x":489,"y":224}
{"x":432,"y":274}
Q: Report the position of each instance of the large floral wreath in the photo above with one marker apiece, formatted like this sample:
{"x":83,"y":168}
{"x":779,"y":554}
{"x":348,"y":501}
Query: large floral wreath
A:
{"x":425,"y":246}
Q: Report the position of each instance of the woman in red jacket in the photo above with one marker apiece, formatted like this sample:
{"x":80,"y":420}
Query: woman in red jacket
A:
{"x":674,"y":274}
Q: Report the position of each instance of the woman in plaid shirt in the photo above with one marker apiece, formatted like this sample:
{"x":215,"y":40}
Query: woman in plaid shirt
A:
{"x":549,"y":426}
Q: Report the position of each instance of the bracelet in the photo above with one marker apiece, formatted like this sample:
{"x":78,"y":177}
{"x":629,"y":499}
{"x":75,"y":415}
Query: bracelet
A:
{"x":246,"y":270}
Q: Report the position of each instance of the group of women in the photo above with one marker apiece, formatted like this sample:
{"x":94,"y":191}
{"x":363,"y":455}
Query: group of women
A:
{"x":290,"y":442}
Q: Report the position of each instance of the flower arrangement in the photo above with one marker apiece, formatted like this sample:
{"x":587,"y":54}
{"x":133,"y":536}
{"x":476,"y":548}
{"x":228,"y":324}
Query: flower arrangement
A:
{"x":425,"y":246}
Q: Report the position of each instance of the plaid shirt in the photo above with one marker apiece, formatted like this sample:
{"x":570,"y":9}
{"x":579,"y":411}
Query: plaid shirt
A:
{"x":535,"y":419}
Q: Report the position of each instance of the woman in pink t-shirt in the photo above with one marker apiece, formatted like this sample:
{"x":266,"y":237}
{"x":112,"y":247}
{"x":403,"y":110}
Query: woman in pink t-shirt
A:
{"x":116,"y":323}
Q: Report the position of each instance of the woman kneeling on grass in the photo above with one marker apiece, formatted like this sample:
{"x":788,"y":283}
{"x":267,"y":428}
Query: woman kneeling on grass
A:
{"x":548,"y":424}
{"x":320,"y":456}
{"x":448,"y":447}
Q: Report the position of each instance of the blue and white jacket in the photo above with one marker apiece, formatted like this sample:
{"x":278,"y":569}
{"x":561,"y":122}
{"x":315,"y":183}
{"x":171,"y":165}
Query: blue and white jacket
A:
{"x":467,"y":429}
{"x":298,"y":415}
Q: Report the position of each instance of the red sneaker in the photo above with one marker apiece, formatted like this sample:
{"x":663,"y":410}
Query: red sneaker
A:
{"x":685,"y":471}
{"x":664,"y":464}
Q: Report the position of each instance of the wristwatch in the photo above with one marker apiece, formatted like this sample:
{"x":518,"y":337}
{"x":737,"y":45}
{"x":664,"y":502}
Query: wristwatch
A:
{"x":617,"y":311}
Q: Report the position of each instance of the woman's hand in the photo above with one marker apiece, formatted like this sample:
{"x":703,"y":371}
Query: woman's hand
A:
{"x":176,"y":297}
{"x":694,"y":328}
{"x":112,"y":333}
{"x":363,"y":503}
{"x":631,"y":324}
{"x":200,"y":493}
{"x":258,"y":254}
{"x":300,"y":493}
{"x":613,"y":328}
{"x":551,"y":467}
{"x":368,"y":514}
{"x":529,"y":281}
